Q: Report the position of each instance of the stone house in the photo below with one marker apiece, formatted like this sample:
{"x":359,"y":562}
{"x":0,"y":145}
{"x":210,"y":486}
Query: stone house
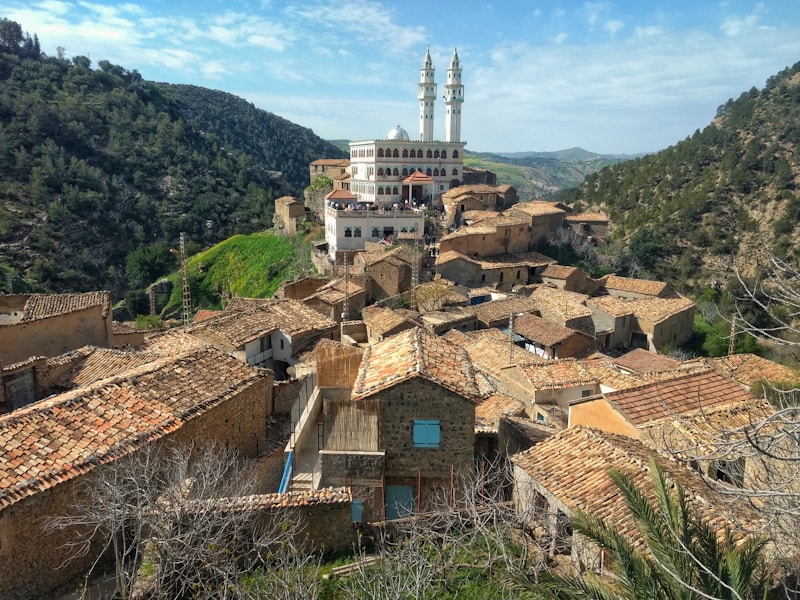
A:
{"x":330,"y":300}
{"x":501,"y":271}
{"x":497,"y":313}
{"x":271,"y":334}
{"x":409,"y":421}
{"x":662,"y":322}
{"x":497,"y":234}
{"x":332,"y":168}
{"x":640,"y":360}
{"x":628,"y":288}
{"x":543,"y":218}
{"x":49,"y":447}
{"x":297,"y":289}
{"x":613,"y":321}
{"x":386,"y":273}
{"x":51,"y":324}
{"x":569,"y":472}
{"x":590,"y":225}
{"x":442,"y":321}
{"x":382,"y":323}
{"x":461,"y":199}
{"x":288,"y":211}
{"x":549,"y":340}
{"x":570,"y":279}
{"x":564,"y":308}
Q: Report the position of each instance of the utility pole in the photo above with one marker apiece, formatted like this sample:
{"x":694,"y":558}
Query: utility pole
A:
{"x":732,"y":339}
{"x":187,"y":300}
{"x":511,"y":339}
{"x":345,"y":312}
{"x":415,"y":274}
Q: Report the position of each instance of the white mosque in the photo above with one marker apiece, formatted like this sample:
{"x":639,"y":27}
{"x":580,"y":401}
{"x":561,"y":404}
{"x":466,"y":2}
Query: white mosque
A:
{"x":392,"y":180}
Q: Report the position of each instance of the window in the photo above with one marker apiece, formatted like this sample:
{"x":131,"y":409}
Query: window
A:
{"x":455,"y":153}
{"x":395,"y":153}
{"x":348,"y":232}
{"x":444,"y":153}
{"x":427,"y":433}
{"x":375,"y":232}
{"x":380,"y":171}
{"x":357,"y":232}
{"x":413,"y":154}
{"x":429,"y":154}
{"x":266,"y":343}
{"x":380,"y":152}
{"x":586,"y":393}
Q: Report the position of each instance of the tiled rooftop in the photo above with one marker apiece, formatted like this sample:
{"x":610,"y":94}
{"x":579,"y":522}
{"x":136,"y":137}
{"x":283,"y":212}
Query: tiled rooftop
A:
{"x":41,"y":306}
{"x":536,"y":207}
{"x":573,"y":465}
{"x":749,"y":369}
{"x":59,"y":438}
{"x":560,"y":304}
{"x":288,"y":200}
{"x":493,"y":355}
{"x":489,"y":312}
{"x":611,"y":305}
{"x":676,"y":396}
{"x":638,"y":286}
{"x":558,"y":271}
{"x":640,"y":360}
{"x":332,"y":162}
{"x":536,"y":329}
{"x":385,"y":320}
{"x":555,"y":374}
{"x":587,"y":217}
{"x":97,"y":364}
{"x":488,"y":412}
{"x":171,"y":343}
{"x":415,"y":353}
{"x":656,"y":310}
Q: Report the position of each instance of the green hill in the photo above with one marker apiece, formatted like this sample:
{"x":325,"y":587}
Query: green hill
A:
{"x":96,"y":164}
{"x":729,"y":192}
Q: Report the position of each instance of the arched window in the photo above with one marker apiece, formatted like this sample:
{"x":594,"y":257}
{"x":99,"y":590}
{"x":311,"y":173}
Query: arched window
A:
{"x":455,"y":153}
{"x":380,"y":171}
{"x":419,"y":169}
{"x":413,"y":229}
{"x":419,"y":153}
{"x":394,"y":190}
{"x":403,"y":230}
{"x":455,"y":172}
{"x":375,"y":232}
{"x":413,"y":153}
{"x":396,"y":173}
{"x":357,"y":232}
{"x":395,"y":154}
{"x":435,"y":154}
{"x":405,"y":172}
{"x":405,"y":152}
{"x":430,"y":153}
{"x":444,"y":153}
{"x":436,"y":172}
{"x":380,"y":191}
{"x":380,"y":152}
{"x":348,"y":232}
{"x":428,"y":172}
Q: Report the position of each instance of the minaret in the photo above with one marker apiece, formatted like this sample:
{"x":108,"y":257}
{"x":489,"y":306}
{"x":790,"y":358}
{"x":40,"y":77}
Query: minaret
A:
{"x":427,"y":98}
{"x":453,"y":98}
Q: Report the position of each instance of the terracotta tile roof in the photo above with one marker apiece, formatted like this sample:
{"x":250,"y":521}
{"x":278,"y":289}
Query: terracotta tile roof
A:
{"x":656,"y":310}
{"x":401,"y":253}
{"x":291,"y":317}
{"x":488,"y":412}
{"x":556,"y":374}
{"x":587,"y":217}
{"x":415,"y":353}
{"x":560,"y":304}
{"x":488,"y":312}
{"x":57,"y":439}
{"x":610,"y":378}
{"x":240,"y":304}
{"x":332,"y":162}
{"x":573,"y":466}
{"x":42,"y":306}
{"x":492,"y":355}
{"x":335,"y":291}
{"x":558,"y":271}
{"x":122,"y":327}
{"x":385,"y":320}
{"x":172,"y":342}
{"x":611,"y":305}
{"x":286,"y":200}
{"x":638,"y":286}
{"x":203,"y":314}
{"x":526,"y":259}
{"x":708,"y":433}
{"x":536,"y":329}
{"x":465,"y":230}
{"x":340,"y":195}
{"x":535,"y":208}
{"x":749,"y":369}
{"x":676,"y":396}
{"x":640,"y":360}
{"x":96,"y":364}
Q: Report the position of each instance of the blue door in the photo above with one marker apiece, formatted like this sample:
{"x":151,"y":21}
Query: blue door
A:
{"x":400,"y":501}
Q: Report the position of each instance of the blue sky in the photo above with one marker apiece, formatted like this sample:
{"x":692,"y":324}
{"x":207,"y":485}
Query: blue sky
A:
{"x":611,"y":77}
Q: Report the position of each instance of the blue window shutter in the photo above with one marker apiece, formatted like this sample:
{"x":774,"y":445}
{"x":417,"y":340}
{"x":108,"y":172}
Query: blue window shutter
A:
{"x":358,"y":511}
{"x":427,"y":433}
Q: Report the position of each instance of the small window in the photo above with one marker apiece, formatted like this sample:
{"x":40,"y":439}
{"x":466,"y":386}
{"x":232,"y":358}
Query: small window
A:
{"x":348,"y":232}
{"x":586,"y":393}
{"x":375,"y":232}
{"x":357,"y":232}
{"x":427,"y":433}
{"x":281,"y":344}
{"x":358,"y":511}
{"x":266,"y":343}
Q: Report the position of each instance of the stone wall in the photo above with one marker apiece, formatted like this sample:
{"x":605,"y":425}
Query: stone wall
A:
{"x":56,"y":335}
{"x":418,"y":398}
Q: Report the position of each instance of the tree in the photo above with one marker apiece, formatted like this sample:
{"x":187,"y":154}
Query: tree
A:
{"x":145,"y":264}
{"x":178,"y":524}
{"x":682,"y":557}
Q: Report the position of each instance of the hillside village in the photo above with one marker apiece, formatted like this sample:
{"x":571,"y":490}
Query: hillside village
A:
{"x":436,"y":338}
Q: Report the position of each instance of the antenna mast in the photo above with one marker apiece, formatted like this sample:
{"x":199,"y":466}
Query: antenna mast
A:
{"x":187,"y":300}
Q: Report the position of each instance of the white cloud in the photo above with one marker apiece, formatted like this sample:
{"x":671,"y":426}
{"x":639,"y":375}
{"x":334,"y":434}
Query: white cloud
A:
{"x":561,"y":38}
{"x":642,"y":32}
{"x":593,"y":10}
{"x":613,"y":26}
{"x":734,"y":26}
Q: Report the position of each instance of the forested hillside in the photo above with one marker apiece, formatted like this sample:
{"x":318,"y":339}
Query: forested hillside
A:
{"x":97,"y":164}
{"x":726,"y":193}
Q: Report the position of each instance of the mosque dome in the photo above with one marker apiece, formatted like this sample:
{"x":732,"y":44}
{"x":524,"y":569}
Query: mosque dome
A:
{"x":398,"y":134}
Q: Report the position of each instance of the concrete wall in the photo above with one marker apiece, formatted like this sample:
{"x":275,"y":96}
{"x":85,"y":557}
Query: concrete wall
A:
{"x":599,"y":413}
{"x":55,"y":335}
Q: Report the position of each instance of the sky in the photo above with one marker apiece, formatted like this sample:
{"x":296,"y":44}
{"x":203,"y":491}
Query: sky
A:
{"x":620,"y":77}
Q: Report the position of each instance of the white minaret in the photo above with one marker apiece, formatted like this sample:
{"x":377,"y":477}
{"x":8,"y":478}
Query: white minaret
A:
{"x":453,"y":98}
{"x":427,"y":98}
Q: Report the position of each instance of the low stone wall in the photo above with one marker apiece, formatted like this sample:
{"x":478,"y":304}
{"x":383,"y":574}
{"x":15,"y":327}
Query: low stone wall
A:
{"x":351,"y":468}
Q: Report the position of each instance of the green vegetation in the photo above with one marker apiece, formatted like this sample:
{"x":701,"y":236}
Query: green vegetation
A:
{"x":730,"y":189}
{"x":250,"y":266}
{"x":682,"y":558}
{"x":102,"y":169}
